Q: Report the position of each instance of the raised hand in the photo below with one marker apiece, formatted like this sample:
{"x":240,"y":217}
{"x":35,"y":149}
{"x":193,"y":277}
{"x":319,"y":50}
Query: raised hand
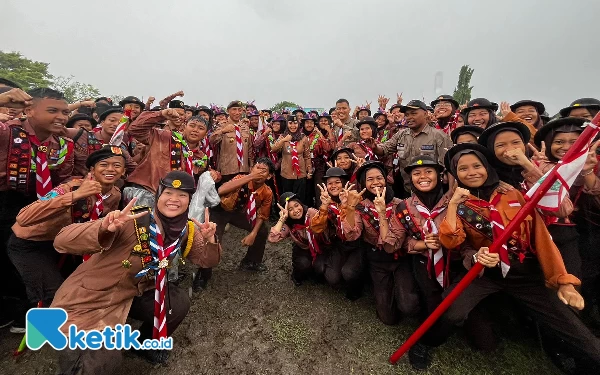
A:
{"x":592,"y":159}
{"x":15,"y":98}
{"x":116,"y":219}
{"x":460,"y":195}
{"x":538,"y":156}
{"x":505,"y":109}
{"x":287,"y":138}
{"x":170,"y":114}
{"x":351,"y":197}
{"x":379,"y":201}
{"x":504,"y":187}
{"x":88,"y":188}
{"x":368,"y":104}
{"x":208,"y":228}
{"x":325,"y":197}
{"x":399,"y":98}
{"x":359,"y":161}
{"x":283,"y":212}
{"x":179,"y":93}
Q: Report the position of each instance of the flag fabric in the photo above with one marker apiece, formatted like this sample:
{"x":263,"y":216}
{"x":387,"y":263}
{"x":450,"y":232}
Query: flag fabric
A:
{"x":566,"y":174}
{"x":117,"y":137}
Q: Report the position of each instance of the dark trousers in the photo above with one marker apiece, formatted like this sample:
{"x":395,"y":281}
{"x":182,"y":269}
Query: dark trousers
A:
{"x":566,"y":239}
{"x":342,"y":261}
{"x":297,"y":187}
{"x":317,"y":179}
{"x":84,"y":362}
{"x":589,"y":250}
{"x":37,"y":263}
{"x":302,"y":263}
{"x":394,"y":286}
{"x":525,"y":282}
{"x":238,"y":219}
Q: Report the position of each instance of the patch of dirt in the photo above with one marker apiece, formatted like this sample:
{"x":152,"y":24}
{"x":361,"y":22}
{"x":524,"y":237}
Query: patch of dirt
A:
{"x":248,"y":323}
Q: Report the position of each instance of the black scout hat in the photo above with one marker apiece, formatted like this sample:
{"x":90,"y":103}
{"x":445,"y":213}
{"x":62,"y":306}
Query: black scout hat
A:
{"x":132,"y":100}
{"x":414,"y":104}
{"x":480,"y":103}
{"x":335,"y":172}
{"x":347,"y":150}
{"x":178,"y":180}
{"x":466,"y":146}
{"x":107,"y":151}
{"x":581,"y":103}
{"x":285,"y":197}
{"x":466,"y":129}
{"x":539,"y":107}
{"x":445,"y":98}
{"x":108,"y":111}
{"x":494,"y":129}
{"x":235,"y":104}
{"x":423,"y":161}
{"x":80,"y":116}
{"x":368,"y":165}
{"x":542,"y":132}
{"x":176,"y":104}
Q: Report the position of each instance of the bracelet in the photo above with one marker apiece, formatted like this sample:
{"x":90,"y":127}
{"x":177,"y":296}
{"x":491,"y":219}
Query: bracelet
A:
{"x":587,"y":173}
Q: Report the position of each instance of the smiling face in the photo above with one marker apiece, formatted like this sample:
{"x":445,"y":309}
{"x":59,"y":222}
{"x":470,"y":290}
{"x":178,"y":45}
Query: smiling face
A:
{"x":342,"y":110}
{"x":561,"y":143}
{"x":323,"y":122}
{"x":50,"y":115}
{"x":108,"y":171}
{"x":188,"y":115}
{"x":478,"y":117}
{"x":295,"y":210}
{"x":424,"y":178}
{"x":362,"y":114}
{"x":380,"y":120}
{"x":254,"y":122}
{"x":309,"y":125}
{"x":527,"y":113}
{"x":365,"y":131}
{"x":235,"y":113}
{"x":173,"y":202}
{"x":220,"y":118}
{"x":396,"y":114}
{"x":442,"y":109}
{"x":343,"y":160}
{"x":276,"y":126}
{"x":581,"y":113}
{"x":135,"y":109}
{"x":506,"y":141}
{"x":334,"y":186}
{"x":292,"y":126}
{"x":110,"y":123}
{"x":374,"y":180}
{"x":471,"y":171}
{"x":194,"y":131}
{"x":204,"y":115}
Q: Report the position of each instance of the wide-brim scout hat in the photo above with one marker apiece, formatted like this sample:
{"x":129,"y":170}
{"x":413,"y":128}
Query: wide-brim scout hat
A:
{"x":105,"y":152}
{"x":179,"y":180}
{"x":445,"y":98}
{"x":480,"y":103}
{"x":542,"y":132}
{"x":496,"y":128}
{"x":368,"y":165}
{"x":465,"y":129}
{"x":80,"y":116}
{"x":108,"y":110}
{"x":539,"y":107}
{"x":423,"y":161}
{"x":364,"y":108}
{"x":580,"y":103}
{"x":132,"y":100}
{"x":466,"y":146}
{"x":285,"y":197}
{"x":347,"y":150}
{"x":335,"y":172}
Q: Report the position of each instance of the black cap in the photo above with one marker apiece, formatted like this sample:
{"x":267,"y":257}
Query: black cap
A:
{"x":466,"y":146}
{"x":495,"y":128}
{"x":380,"y":113}
{"x":542,"y":132}
{"x":179,"y":180}
{"x":581,"y":103}
{"x":235,"y":104}
{"x":480,"y":103}
{"x":132,"y":100}
{"x":285,"y":197}
{"x":80,"y":116}
{"x":445,"y":98}
{"x":396,"y":105}
{"x":414,"y":104}
{"x":109,"y":110}
{"x":299,"y":109}
{"x":339,"y":151}
{"x":364,"y":108}
{"x":335,"y":172}
{"x":176,"y":104}
{"x":366,"y":120}
{"x":309,"y":116}
{"x":539,"y":107}
{"x":368,"y":165}
{"x":107,"y":151}
{"x":204,"y":108}
{"x":423,"y":161}
{"x":267,"y":111}
{"x":325,"y":115}
{"x":466,"y":129}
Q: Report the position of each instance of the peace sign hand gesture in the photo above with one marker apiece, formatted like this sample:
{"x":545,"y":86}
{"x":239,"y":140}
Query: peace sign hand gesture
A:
{"x":283,"y":211}
{"x":379,"y":201}
{"x":208,"y":228}
{"x":592,"y":160}
{"x":538,"y":156}
{"x":325,"y":197}
{"x":351,"y":197}
{"x":116,"y":219}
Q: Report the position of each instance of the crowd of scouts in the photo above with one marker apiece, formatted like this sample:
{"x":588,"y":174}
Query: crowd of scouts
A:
{"x":102,"y":202}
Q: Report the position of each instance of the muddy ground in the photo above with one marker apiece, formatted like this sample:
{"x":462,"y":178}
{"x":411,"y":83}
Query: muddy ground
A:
{"x":247,"y":323}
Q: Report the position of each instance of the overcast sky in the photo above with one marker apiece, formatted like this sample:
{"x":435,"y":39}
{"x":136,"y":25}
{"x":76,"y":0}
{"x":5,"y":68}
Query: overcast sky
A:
{"x":313,"y":51}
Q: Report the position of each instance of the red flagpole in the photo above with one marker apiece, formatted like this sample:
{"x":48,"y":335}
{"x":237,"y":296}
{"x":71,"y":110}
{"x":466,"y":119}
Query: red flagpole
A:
{"x":584,"y":138}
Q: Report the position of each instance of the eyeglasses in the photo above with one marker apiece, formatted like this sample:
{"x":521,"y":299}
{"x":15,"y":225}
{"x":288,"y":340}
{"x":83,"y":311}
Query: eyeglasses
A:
{"x":443,"y":105}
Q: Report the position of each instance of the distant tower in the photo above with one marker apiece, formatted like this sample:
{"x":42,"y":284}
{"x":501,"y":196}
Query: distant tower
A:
{"x":438,"y":85}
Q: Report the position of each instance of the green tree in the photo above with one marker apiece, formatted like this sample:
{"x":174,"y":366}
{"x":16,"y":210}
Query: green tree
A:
{"x":462,"y":92}
{"x":26,"y":73}
{"x":75,"y":90}
{"x":281,"y":105}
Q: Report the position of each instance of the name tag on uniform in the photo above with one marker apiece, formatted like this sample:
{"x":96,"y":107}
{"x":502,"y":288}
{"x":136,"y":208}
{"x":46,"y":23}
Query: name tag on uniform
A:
{"x":427,"y":148}
{"x":400,"y":146}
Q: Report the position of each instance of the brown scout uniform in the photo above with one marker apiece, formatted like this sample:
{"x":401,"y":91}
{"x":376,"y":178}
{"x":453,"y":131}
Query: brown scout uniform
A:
{"x":162,"y":153}
{"x":299,"y":237}
{"x":227,"y":162}
{"x":304,"y":160}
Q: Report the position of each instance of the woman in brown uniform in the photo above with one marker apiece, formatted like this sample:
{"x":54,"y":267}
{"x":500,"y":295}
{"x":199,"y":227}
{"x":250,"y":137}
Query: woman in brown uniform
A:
{"x":367,"y":132}
{"x":528,"y":267}
{"x":131,"y":252}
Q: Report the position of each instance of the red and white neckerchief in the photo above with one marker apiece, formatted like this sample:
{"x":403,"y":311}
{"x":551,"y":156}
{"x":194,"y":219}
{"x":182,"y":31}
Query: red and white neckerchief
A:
{"x":339,"y":228}
{"x":160,"y":310}
{"x":206,"y":149}
{"x":43,"y":183}
{"x":451,"y":125}
{"x":497,"y":228}
{"x":239,"y":145}
{"x":251,"y":208}
{"x":295,"y":161}
{"x":96,"y":213}
{"x":117,"y":138}
{"x":312,"y":241}
{"x":437,"y":257}
{"x":368,"y":150}
{"x":388,"y":211}
{"x":340,"y":136}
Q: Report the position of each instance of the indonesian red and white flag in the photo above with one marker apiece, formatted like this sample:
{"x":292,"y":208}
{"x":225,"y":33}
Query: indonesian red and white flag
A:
{"x":566,"y":173}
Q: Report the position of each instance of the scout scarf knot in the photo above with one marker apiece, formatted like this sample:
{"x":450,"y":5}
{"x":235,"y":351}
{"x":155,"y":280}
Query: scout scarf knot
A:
{"x":295,"y":161}
{"x":239,"y":145}
{"x":251,"y":208}
{"x":368,"y":150}
{"x":436,"y":257}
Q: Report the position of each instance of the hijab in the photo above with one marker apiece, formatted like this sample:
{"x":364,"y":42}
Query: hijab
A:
{"x":171,"y":226}
{"x":511,"y":174}
{"x":432,"y":197}
{"x":486,"y":190}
